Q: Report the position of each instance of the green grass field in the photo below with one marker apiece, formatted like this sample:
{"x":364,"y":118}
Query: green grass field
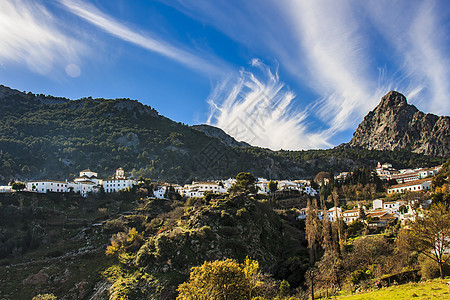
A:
{"x":432,"y":289}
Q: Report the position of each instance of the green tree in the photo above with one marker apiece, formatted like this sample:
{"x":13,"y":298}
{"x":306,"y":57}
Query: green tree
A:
{"x":285,"y":288}
{"x":18,"y":186}
{"x":429,"y":234}
{"x":273,"y":186}
{"x":221,"y":279}
{"x":245,"y":184}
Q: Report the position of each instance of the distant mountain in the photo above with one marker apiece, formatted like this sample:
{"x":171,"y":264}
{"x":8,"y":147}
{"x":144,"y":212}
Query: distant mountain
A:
{"x":46,"y":137}
{"x":218,"y":133}
{"x":394,"y":124}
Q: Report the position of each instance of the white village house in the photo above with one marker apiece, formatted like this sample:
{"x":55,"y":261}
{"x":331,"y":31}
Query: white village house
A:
{"x":118,"y":182}
{"x":351,"y":215}
{"x":413,"y":186}
{"x":44,"y":186}
{"x":160,"y":190}
{"x":197,"y":188}
{"x":5,"y":189}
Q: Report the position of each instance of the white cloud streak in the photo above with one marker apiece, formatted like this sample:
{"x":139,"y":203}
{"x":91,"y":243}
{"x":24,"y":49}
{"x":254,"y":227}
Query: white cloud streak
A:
{"x":259,"y":110}
{"x":198,"y":61}
{"x":328,"y":33}
{"x":328,"y":46}
{"x":420,"y":43}
{"x":31,"y":36}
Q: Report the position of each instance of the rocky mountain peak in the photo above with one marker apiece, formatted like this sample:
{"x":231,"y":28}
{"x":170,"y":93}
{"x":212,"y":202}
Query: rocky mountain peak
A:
{"x":394,"y":124}
{"x":393,"y":99}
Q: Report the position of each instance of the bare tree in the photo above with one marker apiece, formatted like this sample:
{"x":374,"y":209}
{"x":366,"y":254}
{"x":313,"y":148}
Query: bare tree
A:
{"x":313,"y":236}
{"x":429,"y":234}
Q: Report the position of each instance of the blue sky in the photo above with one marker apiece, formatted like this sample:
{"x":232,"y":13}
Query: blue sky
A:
{"x":279,"y":74}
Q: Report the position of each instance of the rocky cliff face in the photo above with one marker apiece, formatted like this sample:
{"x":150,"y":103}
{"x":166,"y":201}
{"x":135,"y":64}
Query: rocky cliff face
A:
{"x":215,"y":132}
{"x":395,"y":124}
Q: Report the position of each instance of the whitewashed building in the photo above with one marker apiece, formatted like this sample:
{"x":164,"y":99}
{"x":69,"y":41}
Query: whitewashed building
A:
{"x":413,"y":186}
{"x":351,"y":215}
{"x":377,"y":204}
{"x":88,"y":175}
{"x":309,"y":190}
{"x":286,"y":185}
{"x":44,"y":186}
{"x":385,"y":171}
{"x":197,"y":189}
{"x":5,"y":189}
{"x":423,"y":173}
{"x":263,"y":186}
{"x":118,"y":182}
{"x":333,"y":213}
{"x":406,"y":177}
{"x":302,"y":214}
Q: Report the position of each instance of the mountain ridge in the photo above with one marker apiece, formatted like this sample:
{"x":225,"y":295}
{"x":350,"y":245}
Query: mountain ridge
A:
{"x":395,"y":124}
{"x":46,"y":137}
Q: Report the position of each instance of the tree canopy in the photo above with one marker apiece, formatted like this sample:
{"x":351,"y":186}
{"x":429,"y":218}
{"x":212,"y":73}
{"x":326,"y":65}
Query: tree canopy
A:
{"x":245,"y":183}
{"x":221,"y":279}
{"x":429,"y":234}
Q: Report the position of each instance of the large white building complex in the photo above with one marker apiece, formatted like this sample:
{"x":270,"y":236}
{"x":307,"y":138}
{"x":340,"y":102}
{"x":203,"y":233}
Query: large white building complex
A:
{"x":86,"y":183}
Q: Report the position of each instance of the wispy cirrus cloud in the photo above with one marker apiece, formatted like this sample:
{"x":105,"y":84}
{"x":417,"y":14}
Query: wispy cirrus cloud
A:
{"x":420,"y":44}
{"x":197,"y":60}
{"x":328,"y":34}
{"x":346,"y":53}
{"x":30,"y":35}
{"x":258,"y":108}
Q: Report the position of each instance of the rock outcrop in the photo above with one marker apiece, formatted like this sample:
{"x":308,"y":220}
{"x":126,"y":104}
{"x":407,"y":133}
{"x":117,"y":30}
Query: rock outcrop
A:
{"x":215,"y":132}
{"x":394,"y":124}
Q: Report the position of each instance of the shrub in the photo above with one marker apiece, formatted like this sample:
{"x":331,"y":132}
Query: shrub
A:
{"x":206,"y":233}
{"x":429,"y":269}
{"x":116,"y":225}
{"x":241,"y":212}
{"x":359,"y":275}
{"x":45,"y":297}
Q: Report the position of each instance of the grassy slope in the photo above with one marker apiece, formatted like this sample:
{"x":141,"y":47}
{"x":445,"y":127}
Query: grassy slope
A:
{"x":68,"y":244}
{"x":431,"y":289}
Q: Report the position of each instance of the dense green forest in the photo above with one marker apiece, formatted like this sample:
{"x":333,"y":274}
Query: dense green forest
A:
{"x":45,"y":137}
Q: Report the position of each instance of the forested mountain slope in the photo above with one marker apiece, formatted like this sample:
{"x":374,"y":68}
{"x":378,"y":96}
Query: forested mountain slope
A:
{"x":45,"y":137}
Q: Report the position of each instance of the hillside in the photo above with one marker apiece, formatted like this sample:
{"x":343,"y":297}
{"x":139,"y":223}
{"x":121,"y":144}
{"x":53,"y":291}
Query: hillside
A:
{"x":53,"y":240}
{"x":220,"y":134}
{"x":394,"y":124}
{"x":44,"y":137}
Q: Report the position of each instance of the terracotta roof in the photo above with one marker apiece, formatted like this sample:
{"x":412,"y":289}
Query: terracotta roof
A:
{"x":351,"y":210}
{"x":410,"y":183}
{"x":388,"y":217}
{"x":405,"y":175}
{"x":376,"y":213}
